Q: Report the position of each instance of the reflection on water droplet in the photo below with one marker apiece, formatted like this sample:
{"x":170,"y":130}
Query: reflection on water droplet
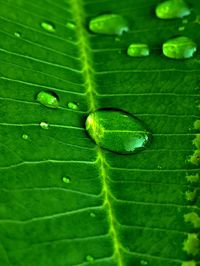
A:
{"x":66,"y":180}
{"x":48,"y":26}
{"x":17,"y":34}
{"x":138,"y":50}
{"x":48,"y":99}
{"x":93,"y":215}
{"x":117,"y":39}
{"x":44,"y":125}
{"x":117,"y":131}
{"x":73,"y":105}
{"x":181,"y":28}
{"x":171,"y":9}
{"x":110,"y":24}
{"x":89,"y":258}
{"x":70,"y":25}
{"x":25,"y":136}
{"x":179,"y":48}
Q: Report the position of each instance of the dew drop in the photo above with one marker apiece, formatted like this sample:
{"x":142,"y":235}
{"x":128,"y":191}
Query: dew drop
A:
{"x":172,"y":9}
{"x":44,"y":125}
{"x":143,"y":262}
{"x":92,"y":214}
{"x":66,"y":180}
{"x":72,"y":105}
{"x":179,"y":48}
{"x":117,"y":131}
{"x":17,"y":34}
{"x":48,"y":99}
{"x":48,"y":26}
{"x":89,"y":258}
{"x":25,"y":136}
{"x":138,"y":50}
{"x":109,"y":24}
{"x":70,"y":25}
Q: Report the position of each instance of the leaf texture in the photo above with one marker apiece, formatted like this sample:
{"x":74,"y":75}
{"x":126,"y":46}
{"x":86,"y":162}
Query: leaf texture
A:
{"x":117,"y":210}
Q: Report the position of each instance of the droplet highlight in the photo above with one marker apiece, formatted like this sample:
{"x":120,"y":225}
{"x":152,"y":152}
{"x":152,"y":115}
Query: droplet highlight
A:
{"x":138,"y":50}
{"x":72,"y":105}
{"x":172,"y":9}
{"x":48,"y":26}
{"x":117,"y":131}
{"x":44,"y":125}
{"x":109,"y":24}
{"x":48,"y":99}
{"x":179,"y":48}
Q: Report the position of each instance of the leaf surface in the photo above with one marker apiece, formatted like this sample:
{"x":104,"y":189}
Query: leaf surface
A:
{"x":117,"y":210}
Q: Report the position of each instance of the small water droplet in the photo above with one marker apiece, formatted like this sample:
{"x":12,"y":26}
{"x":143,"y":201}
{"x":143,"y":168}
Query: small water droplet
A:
{"x":110,"y":24}
{"x":92,"y":214}
{"x":17,"y":34}
{"x":66,"y":180}
{"x":143,"y":262}
{"x":185,"y":21}
{"x":117,"y":131}
{"x":48,"y":99}
{"x":117,"y":39}
{"x":138,"y":50}
{"x":179,"y":48}
{"x":89,"y":258}
{"x":25,"y":136}
{"x":48,"y":26}
{"x":172,"y":9}
{"x":181,"y":28}
{"x":71,"y":25}
{"x":72,"y":105}
{"x":44,"y":125}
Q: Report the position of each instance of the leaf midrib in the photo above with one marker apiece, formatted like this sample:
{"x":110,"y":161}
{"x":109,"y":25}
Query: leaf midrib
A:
{"x":89,"y":82}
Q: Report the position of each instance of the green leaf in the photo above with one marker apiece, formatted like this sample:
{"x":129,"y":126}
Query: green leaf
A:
{"x":63,"y":200}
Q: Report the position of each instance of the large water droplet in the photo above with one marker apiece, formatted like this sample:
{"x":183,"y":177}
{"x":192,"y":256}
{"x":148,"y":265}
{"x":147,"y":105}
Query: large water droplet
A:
{"x":72,"y":105}
{"x":117,"y":131}
{"x":110,"y":24}
{"x":171,"y":9}
{"x":138,"y":50}
{"x":179,"y":48}
{"x":48,"y":99}
{"x":48,"y":26}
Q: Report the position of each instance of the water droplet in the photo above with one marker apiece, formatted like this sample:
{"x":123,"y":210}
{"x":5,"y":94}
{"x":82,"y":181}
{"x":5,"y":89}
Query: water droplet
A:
{"x":117,"y":131}
{"x":143,"y":262}
{"x":17,"y":34}
{"x":48,"y":26}
{"x":172,"y":9}
{"x":89,"y":258}
{"x":138,"y":50}
{"x":179,"y":48}
{"x":181,"y":28}
{"x":117,"y":39}
{"x":66,"y":180}
{"x":92,"y":214}
{"x":48,"y":99}
{"x":44,"y":125}
{"x":70,"y":25}
{"x":73,"y":105}
{"x":25,"y":136}
{"x":110,"y":24}
{"x":185,"y":21}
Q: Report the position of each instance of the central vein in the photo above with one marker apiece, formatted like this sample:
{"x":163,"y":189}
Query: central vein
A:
{"x":82,"y":36}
